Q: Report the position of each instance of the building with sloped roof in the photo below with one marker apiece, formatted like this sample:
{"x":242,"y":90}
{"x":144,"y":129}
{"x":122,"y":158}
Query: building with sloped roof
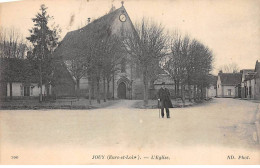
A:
{"x":246,"y":74}
{"x":226,"y":84}
{"x":126,"y":83}
{"x":257,"y":81}
{"x":211,"y":90}
{"x":250,"y":85}
{"x":18,"y":79}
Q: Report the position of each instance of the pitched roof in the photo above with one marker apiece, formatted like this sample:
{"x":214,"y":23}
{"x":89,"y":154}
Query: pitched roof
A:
{"x":246,"y":70}
{"x":230,"y":78}
{"x":61,"y":74}
{"x":213,"y":80}
{"x":17,"y":70}
{"x":257,"y":65}
{"x":257,"y":69}
{"x":249,"y":77}
{"x":75,"y":41}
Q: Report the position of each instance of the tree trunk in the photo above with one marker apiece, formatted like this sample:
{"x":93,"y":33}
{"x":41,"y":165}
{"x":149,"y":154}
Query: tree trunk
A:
{"x":201,"y":96}
{"x":108,"y":95}
{"x":11,"y":90}
{"x":194,"y":93}
{"x":182,"y":94}
{"x":178,"y":88}
{"x":93,"y":88}
{"x":89,"y":90}
{"x":40,"y":99}
{"x":98,"y":91}
{"x":189,"y":87}
{"x":145,"y":93}
{"x":175,"y":89}
{"x":89,"y":95}
{"x":113,"y":94}
{"x":104,"y":89}
{"x":48,"y":90}
{"x":77,"y":90}
{"x":145,"y":88}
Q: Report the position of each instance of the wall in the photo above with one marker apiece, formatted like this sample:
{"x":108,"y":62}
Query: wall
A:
{"x":257,"y":88}
{"x":250,"y":83}
{"x":3,"y":90}
{"x":37,"y":90}
{"x":242,"y":90}
{"x":219,"y":88}
{"x":138,"y":89}
{"x":83,"y":83}
{"x":16,"y":89}
{"x":211,"y":92}
{"x":225,"y":91}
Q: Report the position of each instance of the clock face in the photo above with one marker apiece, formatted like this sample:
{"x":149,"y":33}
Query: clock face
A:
{"x":122,"y":18}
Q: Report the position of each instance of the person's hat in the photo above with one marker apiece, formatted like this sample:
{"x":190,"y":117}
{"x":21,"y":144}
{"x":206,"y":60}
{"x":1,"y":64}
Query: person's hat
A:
{"x":163,"y":83}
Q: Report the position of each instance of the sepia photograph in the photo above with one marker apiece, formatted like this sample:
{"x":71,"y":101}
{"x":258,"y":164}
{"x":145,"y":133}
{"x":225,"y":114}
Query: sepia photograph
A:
{"x":129,"y":82}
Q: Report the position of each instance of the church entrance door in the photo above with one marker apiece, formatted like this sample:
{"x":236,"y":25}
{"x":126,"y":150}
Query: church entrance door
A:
{"x":121,"y":91}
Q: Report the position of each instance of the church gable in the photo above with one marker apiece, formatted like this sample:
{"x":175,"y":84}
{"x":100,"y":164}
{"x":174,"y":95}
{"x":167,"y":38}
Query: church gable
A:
{"x":117,"y":22}
{"x":122,"y":23}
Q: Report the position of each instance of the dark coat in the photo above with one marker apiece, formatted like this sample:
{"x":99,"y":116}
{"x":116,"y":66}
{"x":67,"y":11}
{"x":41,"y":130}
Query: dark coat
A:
{"x":165,"y":99}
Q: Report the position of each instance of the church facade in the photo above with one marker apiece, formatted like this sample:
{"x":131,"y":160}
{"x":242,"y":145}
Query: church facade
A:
{"x":126,"y":82}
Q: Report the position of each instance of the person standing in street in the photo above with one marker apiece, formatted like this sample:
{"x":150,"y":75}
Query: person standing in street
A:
{"x":165,"y":100}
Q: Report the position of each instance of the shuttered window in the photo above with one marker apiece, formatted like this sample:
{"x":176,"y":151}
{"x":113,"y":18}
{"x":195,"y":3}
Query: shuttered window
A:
{"x":21,"y":89}
{"x":31,"y":91}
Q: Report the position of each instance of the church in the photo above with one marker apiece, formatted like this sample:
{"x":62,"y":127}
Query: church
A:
{"x":126,"y":83}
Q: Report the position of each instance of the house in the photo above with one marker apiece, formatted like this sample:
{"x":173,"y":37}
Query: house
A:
{"x":211,"y":90}
{"x":251,"y":83}
{"x":126,"y":83}
{"x":18,"y":79}
{"x":242,"y":88}
{"x":226,"y":84}
{"x":257,"y":81}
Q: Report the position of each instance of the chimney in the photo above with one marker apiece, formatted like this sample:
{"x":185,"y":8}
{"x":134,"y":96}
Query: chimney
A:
{"x":88,"y":20}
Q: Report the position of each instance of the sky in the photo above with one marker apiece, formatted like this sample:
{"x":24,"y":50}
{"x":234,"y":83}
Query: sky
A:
{"x":230,"y":28}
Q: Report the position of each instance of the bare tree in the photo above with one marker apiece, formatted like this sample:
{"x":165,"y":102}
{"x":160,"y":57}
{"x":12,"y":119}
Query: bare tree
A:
{"x":11,"y":47}
{"x":229,"y":68}
{"x":189,"y":64}
{"x":98,"y":49}
{"x":202,"y":67}
{"x":177,"y":65}
{"x":147,"y":45}
{"x":11,"y":43}
{"x":112,"y":49}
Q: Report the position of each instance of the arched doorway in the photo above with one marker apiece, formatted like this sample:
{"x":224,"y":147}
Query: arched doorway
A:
{"x":121,"y":91}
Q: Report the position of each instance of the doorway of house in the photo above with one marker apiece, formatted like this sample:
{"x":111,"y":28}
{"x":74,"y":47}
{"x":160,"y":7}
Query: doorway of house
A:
{"x":121,"y":91}
{"x":26,"y":90}
{"x":229,"y":92}
{"x":239,"y":92}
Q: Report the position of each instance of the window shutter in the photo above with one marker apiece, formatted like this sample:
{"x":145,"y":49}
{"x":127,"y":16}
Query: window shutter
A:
{"x":21,"y":88}
{"x":31,"y":91}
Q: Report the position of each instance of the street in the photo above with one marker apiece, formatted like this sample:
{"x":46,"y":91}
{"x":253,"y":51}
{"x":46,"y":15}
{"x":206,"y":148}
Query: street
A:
{"x":221,"y":124}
